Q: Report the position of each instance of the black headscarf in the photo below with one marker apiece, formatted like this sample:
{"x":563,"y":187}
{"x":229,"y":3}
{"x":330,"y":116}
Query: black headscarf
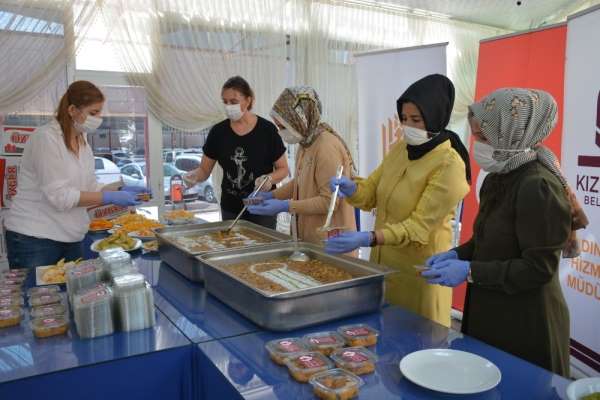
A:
{"x":434,"y":96}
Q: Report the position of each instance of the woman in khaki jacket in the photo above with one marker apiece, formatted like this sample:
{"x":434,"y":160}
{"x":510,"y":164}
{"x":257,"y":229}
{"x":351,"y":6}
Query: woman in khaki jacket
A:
{"x":297,"y":113}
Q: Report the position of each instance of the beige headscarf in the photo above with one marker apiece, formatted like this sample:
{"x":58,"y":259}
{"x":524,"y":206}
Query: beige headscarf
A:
{"x":520,"y":119}
{"x":299,"y":109}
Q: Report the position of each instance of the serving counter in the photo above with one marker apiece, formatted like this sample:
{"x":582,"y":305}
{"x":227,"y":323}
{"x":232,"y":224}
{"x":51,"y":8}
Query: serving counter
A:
{"x":202,"y":349}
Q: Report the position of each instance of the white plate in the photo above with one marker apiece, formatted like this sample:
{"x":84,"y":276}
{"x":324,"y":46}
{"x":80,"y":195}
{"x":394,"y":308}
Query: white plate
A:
{"x":138,"y":245}
{"x":39,"y":276}
{"x":583,"y":387}
{"x":450,"y":371}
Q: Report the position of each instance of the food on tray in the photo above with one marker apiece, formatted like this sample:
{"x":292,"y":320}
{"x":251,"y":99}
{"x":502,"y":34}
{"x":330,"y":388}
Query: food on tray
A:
{"x":281,"y":274}
{"x":128,"y":218}
{"x":50,"y":326}
{"x":39,"y":290}
{"x":336,"y":384}
{"x":359,"y":335}
{"x":44,"y":299}
{"x":324,"y":342}
{"x":151,"y":245}
{"x":304,"y":365}
{"x":48,"y":310}
{"x":56,"y":273}
{"x":141,"y":225}
{"x":10,"y":316}
{"x":100,"y":224}
{"x":357,"y":360}
{"x":118,"y":239}
{"x":143,"y":233}
{"x":220,"y":240}
{"x":178,"y":215}
{"x":282,"y":349}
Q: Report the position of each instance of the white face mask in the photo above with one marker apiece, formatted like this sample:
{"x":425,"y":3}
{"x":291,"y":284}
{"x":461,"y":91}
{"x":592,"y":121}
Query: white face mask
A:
{"x":234,"y":112}
{"x":415,"y":136}
{"x":90,"y":124}
{"x":290,"y":137}
{"x":483,"y":153}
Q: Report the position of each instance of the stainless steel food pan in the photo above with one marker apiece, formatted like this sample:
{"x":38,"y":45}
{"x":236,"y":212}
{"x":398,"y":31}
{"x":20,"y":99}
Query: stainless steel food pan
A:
{"x":299,"y":308}
{"x":184,"y":261}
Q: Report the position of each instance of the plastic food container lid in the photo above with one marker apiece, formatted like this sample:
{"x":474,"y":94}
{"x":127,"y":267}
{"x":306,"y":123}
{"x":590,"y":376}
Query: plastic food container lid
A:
{"x":11,"y":273}
{"x":357,"y":331}
{"x":39,"y":290}
{"x":9,"y":290}
{"x":11,"y":300}
{"x":335,"y":382}
{"x":353,"y":357}
{"x":55,"y":321}
{"x":50,"y":309}
{"x":324,"y":340}
{"x":308,"y":362}
{"x":82,"y":270}
{"x":286,"y":347}
{"x":11,"y":281}
{"x":91,"y":297}
{"x":10,"y":312}
{"x":129,"y":281}
{"x":45,"y":298}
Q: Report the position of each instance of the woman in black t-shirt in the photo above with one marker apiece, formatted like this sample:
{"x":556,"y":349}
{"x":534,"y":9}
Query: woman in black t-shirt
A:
{"x":247,"y":147}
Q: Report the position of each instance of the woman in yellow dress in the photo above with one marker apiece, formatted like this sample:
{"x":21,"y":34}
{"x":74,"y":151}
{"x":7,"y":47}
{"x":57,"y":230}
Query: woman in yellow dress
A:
{"x":415,"y":190}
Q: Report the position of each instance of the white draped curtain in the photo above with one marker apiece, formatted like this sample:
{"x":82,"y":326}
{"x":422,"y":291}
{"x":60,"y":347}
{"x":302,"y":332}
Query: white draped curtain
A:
{"x":182,"y":51}
{"x":38,"y":40}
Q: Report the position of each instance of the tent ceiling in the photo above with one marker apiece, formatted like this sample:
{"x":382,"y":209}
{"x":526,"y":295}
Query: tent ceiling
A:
{"x":504,"y":14}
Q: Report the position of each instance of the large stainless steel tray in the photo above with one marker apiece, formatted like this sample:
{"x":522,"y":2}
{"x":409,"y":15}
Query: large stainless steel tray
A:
{"x":299,"y":308}
{"x":184,"y":261}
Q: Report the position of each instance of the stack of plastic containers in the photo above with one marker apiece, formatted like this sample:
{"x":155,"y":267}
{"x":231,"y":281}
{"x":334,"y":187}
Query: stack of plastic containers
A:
{"x":85,"y":275}
{"x":134,"y":302}
{"x":49,"y":312}
{"x":116,"y":262}
{"x":11,"y":297}
{"x":92,"y":309}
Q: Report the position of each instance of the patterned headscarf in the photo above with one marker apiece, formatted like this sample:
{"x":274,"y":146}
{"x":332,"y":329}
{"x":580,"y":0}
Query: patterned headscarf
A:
{"x":299,"y":109}
{"x":520,"y":119}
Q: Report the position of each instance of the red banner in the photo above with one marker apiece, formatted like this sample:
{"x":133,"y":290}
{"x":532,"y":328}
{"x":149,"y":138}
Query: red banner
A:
{"x":534,"y":59}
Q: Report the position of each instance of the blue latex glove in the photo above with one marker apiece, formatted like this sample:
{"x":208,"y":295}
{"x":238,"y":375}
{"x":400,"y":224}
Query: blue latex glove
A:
{"x":136,"y":189}
{"x":120,"y":198}
{"x":264,"y":195}
{"x":447,"y":273}
{"x":345,"y":242}
{"x":270,"y":207}
{"x":447,"y":255}
{"x":347,"y":186}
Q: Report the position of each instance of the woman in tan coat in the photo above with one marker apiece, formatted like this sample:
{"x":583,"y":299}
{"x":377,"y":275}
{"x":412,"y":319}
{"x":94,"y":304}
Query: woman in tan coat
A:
{"x":297,"y":113}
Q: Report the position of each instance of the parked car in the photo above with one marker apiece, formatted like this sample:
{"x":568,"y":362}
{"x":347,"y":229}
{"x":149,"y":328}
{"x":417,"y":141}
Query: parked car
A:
{"x":134,"y":174}
{"x":188,"y":162}
{"x":106,"y":170}
{"x":121,"y":157}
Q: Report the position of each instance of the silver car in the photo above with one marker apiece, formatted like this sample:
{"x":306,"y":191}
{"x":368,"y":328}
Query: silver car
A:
{"x":134,"y":174}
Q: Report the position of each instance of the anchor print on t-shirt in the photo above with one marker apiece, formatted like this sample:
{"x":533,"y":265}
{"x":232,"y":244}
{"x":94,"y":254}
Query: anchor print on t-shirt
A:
{"x":239,"y":181}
